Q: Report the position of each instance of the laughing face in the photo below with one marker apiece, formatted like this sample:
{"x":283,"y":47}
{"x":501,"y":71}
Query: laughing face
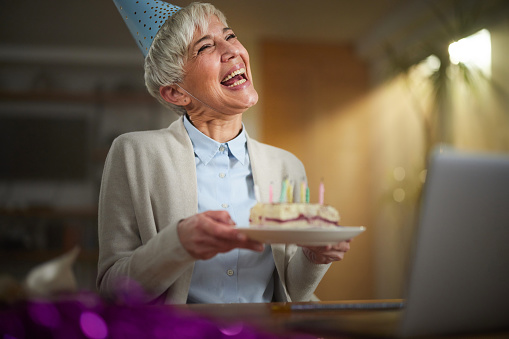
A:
{"x":218,"y":73}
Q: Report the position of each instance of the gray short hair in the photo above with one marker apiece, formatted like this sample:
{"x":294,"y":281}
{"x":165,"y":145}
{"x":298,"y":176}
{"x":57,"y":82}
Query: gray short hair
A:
{"x":164,"y":63}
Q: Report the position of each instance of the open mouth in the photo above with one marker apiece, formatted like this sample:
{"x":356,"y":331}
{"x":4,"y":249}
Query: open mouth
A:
{"x":235,"y":78}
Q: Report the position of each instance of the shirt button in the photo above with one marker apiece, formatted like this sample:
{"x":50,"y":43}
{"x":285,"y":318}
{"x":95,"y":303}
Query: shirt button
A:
{"x":222,"y":175}
{"x":224,"y":205}
{"x":229,"y":272}
{"x":221,"y":149}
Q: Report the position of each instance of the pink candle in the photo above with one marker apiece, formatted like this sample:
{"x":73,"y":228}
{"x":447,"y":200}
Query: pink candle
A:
{"x":270,"y":193}
{"x":321,"y":193}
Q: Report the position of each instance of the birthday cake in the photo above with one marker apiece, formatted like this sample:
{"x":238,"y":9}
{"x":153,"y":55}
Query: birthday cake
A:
{"x":293,"y":215}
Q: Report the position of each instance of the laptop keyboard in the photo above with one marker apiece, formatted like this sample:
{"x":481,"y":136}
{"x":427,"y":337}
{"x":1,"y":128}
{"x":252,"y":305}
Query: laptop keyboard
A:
{"x":389,"y":305}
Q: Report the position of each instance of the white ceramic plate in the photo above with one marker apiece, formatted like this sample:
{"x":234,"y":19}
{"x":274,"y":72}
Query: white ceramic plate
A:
{"x":302,"y":236}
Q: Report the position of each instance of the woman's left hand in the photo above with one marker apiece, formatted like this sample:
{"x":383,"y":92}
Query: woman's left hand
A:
{"x":326,"y":254}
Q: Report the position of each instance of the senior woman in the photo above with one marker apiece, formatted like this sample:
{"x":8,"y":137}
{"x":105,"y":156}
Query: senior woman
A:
{"x":170,"y":199}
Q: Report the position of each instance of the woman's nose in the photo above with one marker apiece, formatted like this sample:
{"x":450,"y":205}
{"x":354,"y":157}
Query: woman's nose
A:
{"x":228,"y":51}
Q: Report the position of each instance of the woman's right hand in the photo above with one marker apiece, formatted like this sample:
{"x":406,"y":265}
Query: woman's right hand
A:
{"x":206,"y":234}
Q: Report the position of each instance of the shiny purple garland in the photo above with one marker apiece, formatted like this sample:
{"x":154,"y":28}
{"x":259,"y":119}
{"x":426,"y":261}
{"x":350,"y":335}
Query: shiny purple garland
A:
{"x":87,"y":316}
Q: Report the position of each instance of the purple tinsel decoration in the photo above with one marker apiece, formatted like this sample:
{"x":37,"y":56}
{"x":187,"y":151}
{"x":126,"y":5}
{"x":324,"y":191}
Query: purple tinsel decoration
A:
{"x":87,"y":316}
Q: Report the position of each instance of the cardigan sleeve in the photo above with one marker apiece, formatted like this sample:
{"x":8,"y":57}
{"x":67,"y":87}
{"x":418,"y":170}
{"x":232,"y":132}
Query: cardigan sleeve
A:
{"x":134,"y":247}
{"x":303,"y":276}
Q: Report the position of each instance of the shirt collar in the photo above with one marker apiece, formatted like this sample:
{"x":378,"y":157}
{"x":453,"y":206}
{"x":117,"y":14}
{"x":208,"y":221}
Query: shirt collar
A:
{"x":206,"y":148}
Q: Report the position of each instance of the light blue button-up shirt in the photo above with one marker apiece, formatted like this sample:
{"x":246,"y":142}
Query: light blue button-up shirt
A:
{"x":225,"y":182}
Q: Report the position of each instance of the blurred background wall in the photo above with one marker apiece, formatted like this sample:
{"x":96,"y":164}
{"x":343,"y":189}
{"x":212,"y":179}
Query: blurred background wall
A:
{"x":360,"y":91}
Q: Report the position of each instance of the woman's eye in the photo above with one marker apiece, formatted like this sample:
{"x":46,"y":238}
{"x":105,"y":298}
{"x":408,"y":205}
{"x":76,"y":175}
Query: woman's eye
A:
{"x":204,"y":47}
{"x":230,"y":36}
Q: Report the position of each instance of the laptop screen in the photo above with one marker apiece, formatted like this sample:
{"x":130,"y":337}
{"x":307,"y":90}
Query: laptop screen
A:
{"x":459,"y":277}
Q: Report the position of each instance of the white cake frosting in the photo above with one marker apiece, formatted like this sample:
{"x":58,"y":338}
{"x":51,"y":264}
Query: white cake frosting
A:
{"x":293,"y":215}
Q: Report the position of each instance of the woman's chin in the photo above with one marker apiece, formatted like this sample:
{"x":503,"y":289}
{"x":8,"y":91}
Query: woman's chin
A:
{"x":248,"y":99}
{"x":253,"y":99}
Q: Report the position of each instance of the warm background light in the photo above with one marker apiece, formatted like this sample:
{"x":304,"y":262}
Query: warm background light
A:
{"x":473,"y":51}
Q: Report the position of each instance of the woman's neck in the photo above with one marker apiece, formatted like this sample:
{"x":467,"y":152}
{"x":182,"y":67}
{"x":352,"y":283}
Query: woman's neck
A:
{"x":219,"y":129}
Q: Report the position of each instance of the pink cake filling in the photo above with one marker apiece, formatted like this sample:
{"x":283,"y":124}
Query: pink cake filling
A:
{"x":300,"y":218}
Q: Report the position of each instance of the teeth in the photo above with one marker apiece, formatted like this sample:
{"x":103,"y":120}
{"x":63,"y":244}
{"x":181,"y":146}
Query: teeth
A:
{"x":236,"y":83}
{"x":237,"y":72}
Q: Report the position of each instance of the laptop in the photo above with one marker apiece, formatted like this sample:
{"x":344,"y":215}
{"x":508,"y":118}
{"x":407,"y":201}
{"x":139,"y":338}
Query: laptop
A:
{"x":459,"y":276}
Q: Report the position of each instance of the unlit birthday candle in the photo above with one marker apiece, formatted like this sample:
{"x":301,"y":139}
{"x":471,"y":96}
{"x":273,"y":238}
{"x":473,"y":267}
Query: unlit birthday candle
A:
{"x":270,"y":193}
{"x":289,"y":193}
{"x":303,"y":187}
{"x":282,"y":197}
{"x":321,"y":193}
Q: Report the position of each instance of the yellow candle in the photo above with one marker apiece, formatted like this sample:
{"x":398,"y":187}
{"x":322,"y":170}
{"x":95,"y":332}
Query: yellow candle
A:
{"x":290,"y":192}
{"x":303,"y":191}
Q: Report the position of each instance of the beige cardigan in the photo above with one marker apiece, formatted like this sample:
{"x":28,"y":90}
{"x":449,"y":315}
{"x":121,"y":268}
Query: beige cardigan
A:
{"x":148,"y":186}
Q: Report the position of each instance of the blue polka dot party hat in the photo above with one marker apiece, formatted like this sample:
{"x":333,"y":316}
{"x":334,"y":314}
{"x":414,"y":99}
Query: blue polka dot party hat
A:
{"x":144,"y":18}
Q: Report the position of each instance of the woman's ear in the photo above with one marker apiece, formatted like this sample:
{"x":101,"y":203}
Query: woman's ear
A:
{"x":173,"y":95}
